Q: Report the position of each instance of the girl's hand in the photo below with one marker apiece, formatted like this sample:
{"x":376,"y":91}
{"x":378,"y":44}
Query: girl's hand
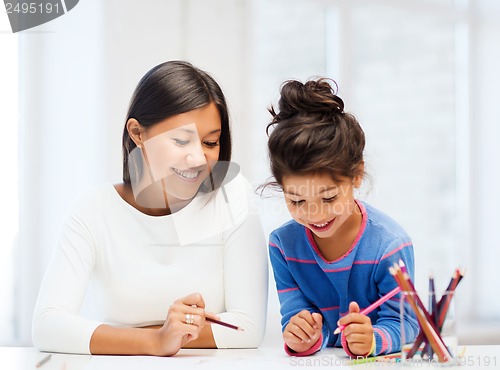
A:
{"x":303,"y":330}
{"x":358,"y":331}
{"x":185,"y":318}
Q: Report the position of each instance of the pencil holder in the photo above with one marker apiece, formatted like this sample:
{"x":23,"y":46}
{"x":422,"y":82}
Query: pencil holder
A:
{"x":436,"y":342}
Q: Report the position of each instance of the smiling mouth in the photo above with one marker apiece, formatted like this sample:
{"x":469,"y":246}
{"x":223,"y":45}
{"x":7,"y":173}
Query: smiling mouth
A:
{"x":188,"y":175}
{"x":322,"y":227}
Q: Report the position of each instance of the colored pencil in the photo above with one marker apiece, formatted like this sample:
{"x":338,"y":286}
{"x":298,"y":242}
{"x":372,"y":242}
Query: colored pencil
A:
{"x":43,"y":361}
{"x":432,"y":299}
{"x":433,"y":311}
{"x":446,"y":300}
{"x":423,"y":317}
{"x":374,"y":305}
{"x":441,"y":310}
{"x":224,"y":324}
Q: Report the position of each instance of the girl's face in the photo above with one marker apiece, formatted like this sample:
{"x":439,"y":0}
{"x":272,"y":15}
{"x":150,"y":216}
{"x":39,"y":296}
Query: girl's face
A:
{"x":182,"y":150}
{"x":319,"y":203}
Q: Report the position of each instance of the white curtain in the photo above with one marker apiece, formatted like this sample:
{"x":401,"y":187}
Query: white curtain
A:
{"x":77,"y":75}
{"x":62,"y":137}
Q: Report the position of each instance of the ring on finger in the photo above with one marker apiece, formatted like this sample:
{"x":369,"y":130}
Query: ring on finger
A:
{"x":189,"y":319}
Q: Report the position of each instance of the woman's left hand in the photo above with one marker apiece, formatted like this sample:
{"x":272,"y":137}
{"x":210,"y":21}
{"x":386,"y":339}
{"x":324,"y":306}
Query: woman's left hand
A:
{"x":358,"y":331}
{"x":185,"y":319}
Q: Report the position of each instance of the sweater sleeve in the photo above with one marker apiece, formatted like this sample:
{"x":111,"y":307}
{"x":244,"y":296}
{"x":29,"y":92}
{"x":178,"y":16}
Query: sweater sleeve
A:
{"x":57,"y":325}
{"x":245,"y":276}
{"x":291,"y":298}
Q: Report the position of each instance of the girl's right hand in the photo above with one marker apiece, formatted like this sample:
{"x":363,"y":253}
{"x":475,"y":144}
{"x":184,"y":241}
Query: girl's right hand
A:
{"x":185,"y":318}
{"x":303,"y":330}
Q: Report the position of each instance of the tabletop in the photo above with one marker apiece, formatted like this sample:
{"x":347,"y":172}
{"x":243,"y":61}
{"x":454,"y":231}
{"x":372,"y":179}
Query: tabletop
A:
{"x":267,"y":357}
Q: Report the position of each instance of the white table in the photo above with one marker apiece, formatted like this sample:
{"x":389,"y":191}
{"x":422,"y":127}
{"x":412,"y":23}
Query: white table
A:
{"x":263,"y":358}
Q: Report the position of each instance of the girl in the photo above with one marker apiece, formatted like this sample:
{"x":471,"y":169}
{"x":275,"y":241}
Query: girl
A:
{"x":333,"y":258}
{"x":176,"y":240}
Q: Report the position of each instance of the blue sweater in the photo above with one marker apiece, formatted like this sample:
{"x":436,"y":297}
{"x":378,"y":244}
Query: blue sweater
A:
{"x":305,"y":280}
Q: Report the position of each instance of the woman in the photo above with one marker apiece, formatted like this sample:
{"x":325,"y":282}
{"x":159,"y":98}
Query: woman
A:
{"x":174,"y":244}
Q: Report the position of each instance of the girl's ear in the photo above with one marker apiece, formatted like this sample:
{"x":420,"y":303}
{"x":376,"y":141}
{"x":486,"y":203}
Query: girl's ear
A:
{"x":358,"y":179}
{"x":135,"y":131}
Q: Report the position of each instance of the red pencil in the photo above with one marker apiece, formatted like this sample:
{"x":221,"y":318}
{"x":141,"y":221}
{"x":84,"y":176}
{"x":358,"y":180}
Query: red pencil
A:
{"x":224,"y":324}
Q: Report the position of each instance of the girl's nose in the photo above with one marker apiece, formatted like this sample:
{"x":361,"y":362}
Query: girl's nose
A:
{"x":314,"y":212}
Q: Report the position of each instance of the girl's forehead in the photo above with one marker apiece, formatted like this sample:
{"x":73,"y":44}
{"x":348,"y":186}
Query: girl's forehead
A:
{"x":309,"y":185}
{"x":315,"y":179}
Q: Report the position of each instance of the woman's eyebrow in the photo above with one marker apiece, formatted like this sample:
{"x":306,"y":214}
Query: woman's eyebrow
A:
{"x":190,"y":131}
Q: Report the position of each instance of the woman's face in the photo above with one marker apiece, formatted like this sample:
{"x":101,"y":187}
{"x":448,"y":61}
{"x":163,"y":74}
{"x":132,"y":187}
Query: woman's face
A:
{"x":182,"y":150}
{"x":319,"y":203}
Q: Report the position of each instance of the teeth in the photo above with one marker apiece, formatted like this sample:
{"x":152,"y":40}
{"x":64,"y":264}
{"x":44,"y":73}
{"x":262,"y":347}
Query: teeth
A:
{"x":186,"y":174}
{"x":321,"y":225}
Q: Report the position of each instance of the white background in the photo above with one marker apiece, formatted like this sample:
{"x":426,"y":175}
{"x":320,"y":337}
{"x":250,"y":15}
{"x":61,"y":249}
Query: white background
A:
{"x":421,"y":76}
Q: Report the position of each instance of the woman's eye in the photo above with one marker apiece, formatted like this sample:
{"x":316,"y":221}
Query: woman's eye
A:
{"x":331,"y":199}
{"x":181,"y":142}
{"x":296,"y":202}
{"x":211,"y":144}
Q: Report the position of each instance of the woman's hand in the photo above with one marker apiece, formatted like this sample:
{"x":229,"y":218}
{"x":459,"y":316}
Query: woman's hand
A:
{"x":358,"y":331}
{"x":185,"y":318}
{"x":303,"y":330}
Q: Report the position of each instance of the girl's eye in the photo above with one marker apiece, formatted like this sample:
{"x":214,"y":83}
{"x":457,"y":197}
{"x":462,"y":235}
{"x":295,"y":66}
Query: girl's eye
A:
{"x":296,"y":202}
{"x":211,"y":144}
{"x":181,"y":142}
{"x":331,"y":199}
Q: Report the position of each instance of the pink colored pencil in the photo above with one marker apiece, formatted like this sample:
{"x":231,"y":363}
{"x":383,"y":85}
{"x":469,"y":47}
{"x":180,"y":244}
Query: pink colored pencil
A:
{"x":373,"y":306}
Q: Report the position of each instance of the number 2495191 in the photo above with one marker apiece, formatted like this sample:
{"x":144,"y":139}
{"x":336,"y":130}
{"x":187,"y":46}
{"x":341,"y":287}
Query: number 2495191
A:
{"x":474,"y":361}
{"x":33,"y":8}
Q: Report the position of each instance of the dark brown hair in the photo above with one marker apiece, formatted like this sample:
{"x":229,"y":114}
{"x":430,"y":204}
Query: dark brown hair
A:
{"x":312,"y":134}
{"x":173,"y":88}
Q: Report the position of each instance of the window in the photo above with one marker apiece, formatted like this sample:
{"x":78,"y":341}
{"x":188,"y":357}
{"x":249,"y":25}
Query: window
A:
{"x":419,"y":77}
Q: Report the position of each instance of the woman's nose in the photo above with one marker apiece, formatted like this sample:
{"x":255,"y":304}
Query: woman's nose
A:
{"x":196,"y":157}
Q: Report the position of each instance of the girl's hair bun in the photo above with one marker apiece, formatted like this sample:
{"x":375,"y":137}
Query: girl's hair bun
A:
{"x":311,"y":133}
{"x":313,"y":97}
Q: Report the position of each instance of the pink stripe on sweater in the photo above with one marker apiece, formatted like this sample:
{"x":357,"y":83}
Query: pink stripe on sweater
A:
{"x":367,"y":262}
{"x":275,"y":246}
{"x":329,"y":308}
{"x":402,"y":246}
{"x":287,"y":290}
{"x":385,"y":343}
{"x":347,"y":268}
{"x":300,"y":261}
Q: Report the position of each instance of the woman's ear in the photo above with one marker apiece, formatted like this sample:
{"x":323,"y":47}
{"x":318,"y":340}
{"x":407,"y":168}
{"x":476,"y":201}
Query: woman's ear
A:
{"x":360,"y":171}
{"x":135,"y":131}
